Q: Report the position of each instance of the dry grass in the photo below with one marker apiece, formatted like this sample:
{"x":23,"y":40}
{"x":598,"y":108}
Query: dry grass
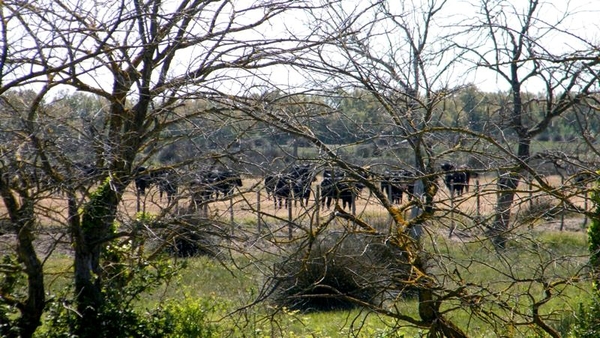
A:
{"x":251,"y":199}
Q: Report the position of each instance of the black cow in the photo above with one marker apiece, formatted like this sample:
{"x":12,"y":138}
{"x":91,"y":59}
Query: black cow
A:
{"x":142,"y":180}
{"x":281,"y":187}
{"x":302,"y":188}
{"x":215,"y":183}
{"x":164,"y":178}
{"x":224,"y":182}
{"x":294,"y":184}
{"x":337,"y":186}
{"x":397,"y":183}
{"x":456,"y":180}
{"x":208,"y":186}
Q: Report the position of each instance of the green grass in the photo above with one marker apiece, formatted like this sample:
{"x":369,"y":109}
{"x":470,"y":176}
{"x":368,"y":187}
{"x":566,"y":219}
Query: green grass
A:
{"x":222,"y":292}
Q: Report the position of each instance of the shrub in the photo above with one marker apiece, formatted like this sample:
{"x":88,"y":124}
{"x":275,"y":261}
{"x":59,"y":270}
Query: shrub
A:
{"x":587,"y":324}
{"x":190,"y":318}
{"x":193,"y":239}
{"x":336,"y":270}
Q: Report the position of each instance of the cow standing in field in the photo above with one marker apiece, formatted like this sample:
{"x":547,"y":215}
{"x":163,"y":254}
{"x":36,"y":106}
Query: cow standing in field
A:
{"x":456,"y":179}
{"x":294,"y":184}
{"x":164,"y":178}
{"x":397,"y":183}
{"x":212,"y":185}
{"x":337,"y":186}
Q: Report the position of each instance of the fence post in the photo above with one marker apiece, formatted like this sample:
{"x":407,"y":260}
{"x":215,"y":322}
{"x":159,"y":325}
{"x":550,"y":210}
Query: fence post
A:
{"x":530,"y":184}
{"x":452,"y":225}
{"x":478,"y":200}
{"x":585,"y":206}
{"x":562,"y":213}
{"x":231,"y":220}
{"x":289,"y":206}
{"x":318,"y":204}
{"x":258,"y":215}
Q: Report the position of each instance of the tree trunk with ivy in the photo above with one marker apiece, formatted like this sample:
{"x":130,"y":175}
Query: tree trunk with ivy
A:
{"x":91,"y":235}
{"x":594,"y":235}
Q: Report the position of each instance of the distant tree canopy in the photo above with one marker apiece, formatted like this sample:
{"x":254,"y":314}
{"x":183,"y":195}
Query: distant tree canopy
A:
{"x":349,"y":118}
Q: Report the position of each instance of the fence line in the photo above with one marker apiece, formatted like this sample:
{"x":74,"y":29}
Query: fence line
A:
{"x":482,"y":193}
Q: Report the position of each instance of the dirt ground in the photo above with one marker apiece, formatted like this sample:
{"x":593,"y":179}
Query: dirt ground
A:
{"x":251,"y":200}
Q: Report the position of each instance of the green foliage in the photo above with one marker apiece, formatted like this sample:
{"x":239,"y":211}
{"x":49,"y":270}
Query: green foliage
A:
{"x":119,"y":316}
{"x":10,"y":278}
{"x":117,"y":321}
{"x":588,"y":319}
{"x":191,"y":318}
{"x":96,"y":210}
{"x":594,"y":229}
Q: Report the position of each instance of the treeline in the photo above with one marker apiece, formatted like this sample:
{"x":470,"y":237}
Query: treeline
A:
{"x":348,"y":118}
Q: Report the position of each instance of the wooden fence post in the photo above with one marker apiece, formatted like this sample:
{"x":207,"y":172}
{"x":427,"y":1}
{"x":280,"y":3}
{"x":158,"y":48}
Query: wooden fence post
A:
{"x":318,"y":204}
{"x":585,"y":206}
{"x":258,"y":215}
{"x":231,"y":219}
{"x":478,"y":200}
{"x":452,"y":225}
{"x":289,"y":206}
{"x":562,"y":213}
{"x":530,"y":188}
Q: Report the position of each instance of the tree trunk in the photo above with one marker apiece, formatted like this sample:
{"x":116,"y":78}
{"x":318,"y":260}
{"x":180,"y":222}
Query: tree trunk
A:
{"x":23,"y":219}
{"x":497,"y":231}
{"x":90,"y":236}
{"x":33,"y":306}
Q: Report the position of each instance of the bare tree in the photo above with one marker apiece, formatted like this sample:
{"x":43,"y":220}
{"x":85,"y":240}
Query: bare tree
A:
{"x":406,"y":60}
{"x":145,"y":59}
{"x":145,"y":89}
{"x":521,"y":47}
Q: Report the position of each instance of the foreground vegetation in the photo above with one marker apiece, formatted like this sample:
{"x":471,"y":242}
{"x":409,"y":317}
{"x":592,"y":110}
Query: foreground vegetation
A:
{"x":211,"y":296}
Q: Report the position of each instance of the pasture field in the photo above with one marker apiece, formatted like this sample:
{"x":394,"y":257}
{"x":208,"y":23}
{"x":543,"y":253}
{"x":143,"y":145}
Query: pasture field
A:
{"x":251,"y":200}
{"x":224,"y":289}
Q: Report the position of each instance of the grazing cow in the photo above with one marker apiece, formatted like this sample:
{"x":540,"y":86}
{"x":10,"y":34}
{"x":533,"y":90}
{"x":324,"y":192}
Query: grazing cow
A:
{"x":457,"y":180}
{"x":294,"y":184}
{"x":336,"y":186}
{"x":302,"y":188}
{"x":224,"y":182}
{"x":396,"y":183}
{"x":212,"y":184}
{"x":164,"y":178}
{"x":142,"y":180}
{"x":270,"y":184}
{"x":282,"y":189}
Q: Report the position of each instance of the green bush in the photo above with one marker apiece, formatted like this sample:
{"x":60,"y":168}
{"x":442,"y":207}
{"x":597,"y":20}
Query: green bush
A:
{"x":587,"y":323}
{"x":191,"y":318}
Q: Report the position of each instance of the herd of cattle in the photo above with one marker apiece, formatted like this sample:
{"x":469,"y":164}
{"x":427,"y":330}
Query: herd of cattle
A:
{"x":297,"y":184}
{"x":294,"y":185}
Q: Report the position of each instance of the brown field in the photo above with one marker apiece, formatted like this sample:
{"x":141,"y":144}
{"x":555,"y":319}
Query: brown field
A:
{"x":251,"y":198}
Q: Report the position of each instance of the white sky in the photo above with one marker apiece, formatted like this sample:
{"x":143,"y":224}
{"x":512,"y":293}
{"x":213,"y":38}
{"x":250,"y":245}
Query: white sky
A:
{"x":584,"y":22}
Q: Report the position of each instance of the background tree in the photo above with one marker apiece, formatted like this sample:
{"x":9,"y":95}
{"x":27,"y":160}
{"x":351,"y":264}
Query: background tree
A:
{"x":521,"y":47}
